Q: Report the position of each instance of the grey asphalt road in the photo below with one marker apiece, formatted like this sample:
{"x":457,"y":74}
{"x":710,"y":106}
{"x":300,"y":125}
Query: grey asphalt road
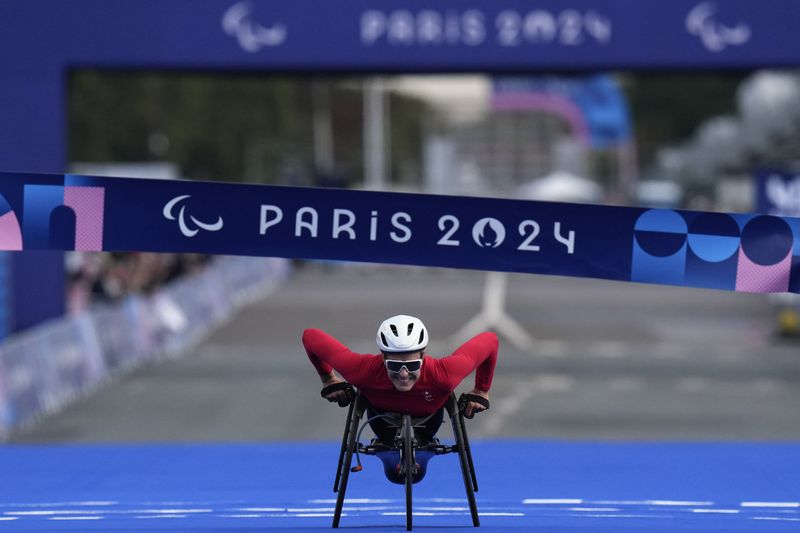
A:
{"x":608,"y":360}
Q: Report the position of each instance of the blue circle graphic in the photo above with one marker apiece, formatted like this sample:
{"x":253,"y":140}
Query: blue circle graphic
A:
{"x":767,"y":240}
{"x":660,"y":232}
{"x":714,"y":237}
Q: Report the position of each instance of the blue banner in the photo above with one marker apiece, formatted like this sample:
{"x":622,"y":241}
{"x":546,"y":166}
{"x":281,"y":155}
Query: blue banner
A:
{"x":741,"y":252}
{"x":398,"y":35}
{"x":778,"y":192}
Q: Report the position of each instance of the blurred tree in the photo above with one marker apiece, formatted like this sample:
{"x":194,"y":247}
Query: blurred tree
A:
{"x":225,"y":127}
{"x":668,"y":107}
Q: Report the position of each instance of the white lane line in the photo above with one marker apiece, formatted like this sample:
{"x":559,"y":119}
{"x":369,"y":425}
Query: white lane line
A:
{"x":89,"y":503}
{"x":75,"y":518}
{"x":151,"y":517}
{"x":793,"y":505}
{"x":354,"y":500}
{"x":622,"y":516}
{"x":8,"y":518}
{"x":312,"y":515}
{"x":676,"y":503}
{"x":551,"y":501}
{"x":373,"y":508}
{"x":719,"y":511}
{"x":775,"y":518}
{"x":414,"y":513}
{"x":310,"y":510}
{"x":594,"y":509}
{"x":501,"y":514}
{"x":241,"y":516}
{"x":443,"y":508}
{"x":261,"y":509}
{"x":52,"y":513}
{"x":174,"y":511}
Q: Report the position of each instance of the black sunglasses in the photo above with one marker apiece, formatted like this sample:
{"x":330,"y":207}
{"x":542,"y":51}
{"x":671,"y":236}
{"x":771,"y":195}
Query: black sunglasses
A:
{"x":395,"y":366}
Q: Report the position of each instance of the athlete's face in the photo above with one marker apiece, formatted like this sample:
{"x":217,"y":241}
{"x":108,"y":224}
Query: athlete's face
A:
{"x":404,"y":380}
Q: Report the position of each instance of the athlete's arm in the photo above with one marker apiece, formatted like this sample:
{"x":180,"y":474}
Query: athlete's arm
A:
{"x":480,"y":352}
{"x":326,"y":354}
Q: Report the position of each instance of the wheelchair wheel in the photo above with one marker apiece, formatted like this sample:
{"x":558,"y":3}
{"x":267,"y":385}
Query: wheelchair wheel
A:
{"x":464,"y":457}
{"x":468,"y":451}
{"x":408,"y":465}
{"x":344,"y":446}
{"x":343,"y":473}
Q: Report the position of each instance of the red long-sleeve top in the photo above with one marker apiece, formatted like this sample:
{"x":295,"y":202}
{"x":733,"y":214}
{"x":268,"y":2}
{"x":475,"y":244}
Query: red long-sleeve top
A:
{"x":438,"y":378}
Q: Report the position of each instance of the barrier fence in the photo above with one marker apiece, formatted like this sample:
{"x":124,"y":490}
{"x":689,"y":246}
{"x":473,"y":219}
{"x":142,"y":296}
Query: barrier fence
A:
{"x":46,"y":368}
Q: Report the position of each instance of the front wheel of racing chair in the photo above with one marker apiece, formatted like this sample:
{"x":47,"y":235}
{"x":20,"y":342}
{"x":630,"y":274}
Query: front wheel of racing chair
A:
{"x":407,"y":447}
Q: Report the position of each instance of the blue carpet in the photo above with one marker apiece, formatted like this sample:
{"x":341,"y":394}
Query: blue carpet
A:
{"x":543,"y":486}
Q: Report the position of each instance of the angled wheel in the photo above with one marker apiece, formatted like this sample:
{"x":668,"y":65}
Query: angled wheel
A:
{"x":344,"y":446}
{"x":465,"y":459}
{"x":408,"y":466}
{"x":468,"y":451}
{"x":344,"y":471}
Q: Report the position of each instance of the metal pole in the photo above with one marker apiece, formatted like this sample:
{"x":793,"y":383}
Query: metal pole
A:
{"x":374,"y":157}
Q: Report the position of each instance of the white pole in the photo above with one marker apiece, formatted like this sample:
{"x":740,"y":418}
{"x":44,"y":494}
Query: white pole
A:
{"x":323,"y":129}
{"x":374,"y":143}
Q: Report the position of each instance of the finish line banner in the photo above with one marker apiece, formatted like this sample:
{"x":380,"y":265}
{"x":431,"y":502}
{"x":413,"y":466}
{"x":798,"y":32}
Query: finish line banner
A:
{"x":738,"y":252}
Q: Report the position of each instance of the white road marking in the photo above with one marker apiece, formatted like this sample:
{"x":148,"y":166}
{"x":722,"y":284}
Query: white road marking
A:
{"x":594,"y":509}
{"x":261,"y":509}
{"x":8,"y":518}
{"x":443,"y":508}
{"x":354,"y":500}
{"x":501,"y":514}
{"x":776,"y":518}
{"x":150,"y":517}
{"x":623,"y":516}
{"x":403,"y":513}
{"x":75,"y":518}
{"x":675,"y":503}
{"x":61,"y":504}
{"x":241,"y":515}
{"x":533,"y":501}
{"x":720,"y":511}
{"x":772,"y":504}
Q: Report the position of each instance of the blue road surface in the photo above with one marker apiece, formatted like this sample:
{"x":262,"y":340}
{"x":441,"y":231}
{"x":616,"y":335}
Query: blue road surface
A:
{"x":542,"y":486}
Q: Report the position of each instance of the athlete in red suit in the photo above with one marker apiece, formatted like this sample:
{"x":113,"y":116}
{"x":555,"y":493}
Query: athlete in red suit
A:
{"x":402,"y":378}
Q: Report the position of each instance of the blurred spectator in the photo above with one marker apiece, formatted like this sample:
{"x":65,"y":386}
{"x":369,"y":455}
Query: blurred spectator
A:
{"x":100,"y":277}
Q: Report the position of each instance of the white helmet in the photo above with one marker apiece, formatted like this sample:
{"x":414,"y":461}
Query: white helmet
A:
{"x":402,"y":333}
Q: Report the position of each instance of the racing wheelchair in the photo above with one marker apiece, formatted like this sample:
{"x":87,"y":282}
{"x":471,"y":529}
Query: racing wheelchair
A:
{"x":413,"y":456}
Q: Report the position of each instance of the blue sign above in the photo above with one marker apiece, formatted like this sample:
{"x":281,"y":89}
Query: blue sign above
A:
{"x":398,"y":35}
{"x":750,"y":253}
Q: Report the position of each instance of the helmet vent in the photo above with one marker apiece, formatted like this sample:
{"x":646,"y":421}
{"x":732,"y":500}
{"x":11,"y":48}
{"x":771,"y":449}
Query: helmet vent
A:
{"x":394,"y":330}
{"x":421,"y":336}
{"x":410,"y":328}
{"x":383,"y":338}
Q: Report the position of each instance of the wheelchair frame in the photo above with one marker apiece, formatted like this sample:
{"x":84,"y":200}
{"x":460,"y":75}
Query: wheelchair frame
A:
{"x":407,"y":446}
